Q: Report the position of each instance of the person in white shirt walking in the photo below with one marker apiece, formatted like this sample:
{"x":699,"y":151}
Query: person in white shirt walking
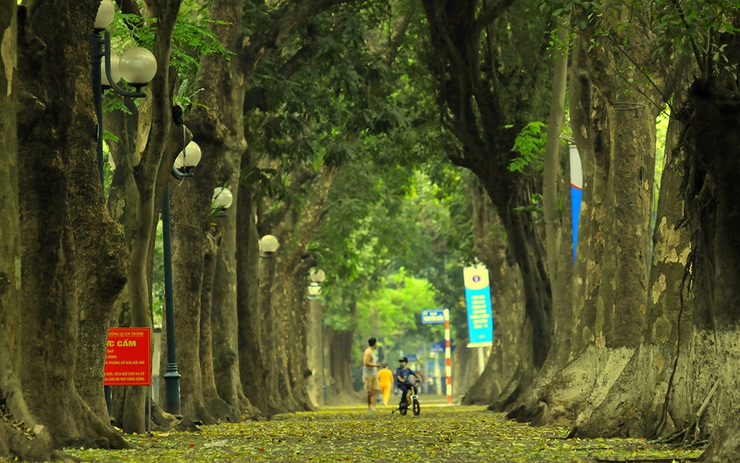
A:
{"x":370,"y":374}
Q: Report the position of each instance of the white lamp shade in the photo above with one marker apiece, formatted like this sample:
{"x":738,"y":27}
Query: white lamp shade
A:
{"x":222,"y":198}
{"x":316,"y":275}
{"x":106,"y":12}
{"x":138,"y":66}
{"x":314,"y":289}
{"x":115,"y":69}
{"x":189,"y":157}
{"x":269,"y":244}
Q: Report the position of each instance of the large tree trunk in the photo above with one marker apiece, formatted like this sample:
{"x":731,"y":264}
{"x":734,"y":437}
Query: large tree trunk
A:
{"x":13,"y":443}
{"x":285,"y":312}
{"x":713,"y":212}
{"x":529,"y":406}
{"x":469,"y":41}
{"x":210,"y":369}
{"x":225,"y":321}
{"x":219,"y":129}
{"x":63,"y":213}
{"x":189,"y":246}
{"x":338,"y":355}
{"x":616,"y":139}
{"x":657,"y":405}
{"x":157,"y":146}
{"x":508,"y":306}
{"x":251,"y":367}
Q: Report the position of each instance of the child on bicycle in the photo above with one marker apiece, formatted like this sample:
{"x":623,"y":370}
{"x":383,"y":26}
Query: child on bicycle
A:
{"x":406,"y":379}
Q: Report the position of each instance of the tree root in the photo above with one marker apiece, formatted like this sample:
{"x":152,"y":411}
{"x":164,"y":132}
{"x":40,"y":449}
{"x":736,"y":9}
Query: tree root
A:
{"x":18,"y":440}
{"x":691,"y":435}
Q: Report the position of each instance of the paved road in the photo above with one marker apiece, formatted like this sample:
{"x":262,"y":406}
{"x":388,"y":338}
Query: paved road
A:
{"x":441,"y":433}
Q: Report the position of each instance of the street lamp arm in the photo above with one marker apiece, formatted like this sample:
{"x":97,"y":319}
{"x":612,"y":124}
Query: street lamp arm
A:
{"x":109,"y":75}
{"x":180,"y":175}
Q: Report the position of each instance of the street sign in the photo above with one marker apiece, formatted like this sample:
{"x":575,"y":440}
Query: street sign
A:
{"x":412,"y":358}
{"x":128,"y":357}
{"x":432,"y":317}
{"x":439,"y":347}
{"x":478,"y":301}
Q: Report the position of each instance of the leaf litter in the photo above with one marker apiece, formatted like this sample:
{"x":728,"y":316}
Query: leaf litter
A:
{"x":441,"y":433}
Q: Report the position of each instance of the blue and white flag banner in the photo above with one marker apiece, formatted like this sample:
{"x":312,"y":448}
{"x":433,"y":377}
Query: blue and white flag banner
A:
{"x":478,"y":300}
{"x":576,"y":192}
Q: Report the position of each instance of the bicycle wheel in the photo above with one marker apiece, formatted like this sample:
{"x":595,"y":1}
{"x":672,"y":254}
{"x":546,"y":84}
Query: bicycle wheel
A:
{"x":403,"y":408}
{"x":416,"y":407}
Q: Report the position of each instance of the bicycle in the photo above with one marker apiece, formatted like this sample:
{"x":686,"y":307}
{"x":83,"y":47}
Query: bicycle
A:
{"x":412,"y":398}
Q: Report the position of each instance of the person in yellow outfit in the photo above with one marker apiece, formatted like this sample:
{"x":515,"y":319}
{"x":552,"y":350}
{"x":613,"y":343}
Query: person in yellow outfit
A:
{"x":385,"y":381}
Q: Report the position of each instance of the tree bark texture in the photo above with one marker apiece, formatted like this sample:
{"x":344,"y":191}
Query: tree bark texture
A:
{"x":478,"y":105}
{"x":63,"y":213}
{"x":713,"y":213}
{"x":219,"y":130}
{"x":13,"y":443}
{"x":654,"y":378}
{"x":508,"y":305}
{"x":338,"y":357}
{"x":285,"y":312}
{"x":215,"y":404}
{"x":156,"y":148}
{"x":614,"y":128}
{"x":251,"y":366}
{"x":529,"y":407}
{"x":189,"y":246}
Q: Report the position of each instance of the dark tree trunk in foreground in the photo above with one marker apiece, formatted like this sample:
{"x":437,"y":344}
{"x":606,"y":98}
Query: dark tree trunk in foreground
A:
{"x":711,"y":193}
{"x":13,"y":443}
{"x":63,"y":213}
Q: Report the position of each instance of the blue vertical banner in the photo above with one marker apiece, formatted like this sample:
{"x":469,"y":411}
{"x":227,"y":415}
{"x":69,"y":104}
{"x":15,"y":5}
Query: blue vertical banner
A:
{"x":478,"y":300}
{"x":576,"y":192}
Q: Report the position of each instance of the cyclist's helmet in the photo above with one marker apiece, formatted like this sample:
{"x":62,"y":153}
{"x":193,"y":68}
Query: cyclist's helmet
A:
{"x":403,"y":360}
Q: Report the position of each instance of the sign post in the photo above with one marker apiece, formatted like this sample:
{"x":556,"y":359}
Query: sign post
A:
{"x":128,"y":359}
{"x":478,"y":300}
{"x":480,"y":314}
{"x":448,"y":352}
{"x":432,"y":317}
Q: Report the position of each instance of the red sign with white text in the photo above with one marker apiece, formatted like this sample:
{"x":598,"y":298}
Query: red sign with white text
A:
{"x":128,"y":357}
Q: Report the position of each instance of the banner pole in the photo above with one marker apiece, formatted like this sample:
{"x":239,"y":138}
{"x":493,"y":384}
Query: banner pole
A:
{"x":448,"y":352}
{"x":149,"y":408}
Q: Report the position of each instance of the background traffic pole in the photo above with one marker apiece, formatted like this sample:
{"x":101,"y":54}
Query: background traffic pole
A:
{"x":448,"y":352}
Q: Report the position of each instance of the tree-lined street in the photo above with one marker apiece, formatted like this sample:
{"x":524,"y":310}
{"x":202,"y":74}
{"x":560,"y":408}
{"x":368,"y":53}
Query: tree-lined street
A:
{"x":259,"y":187}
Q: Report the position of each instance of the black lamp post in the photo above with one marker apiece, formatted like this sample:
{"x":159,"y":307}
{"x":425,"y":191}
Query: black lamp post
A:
{"x":137,"y":66}
{"x":188,"y":158}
